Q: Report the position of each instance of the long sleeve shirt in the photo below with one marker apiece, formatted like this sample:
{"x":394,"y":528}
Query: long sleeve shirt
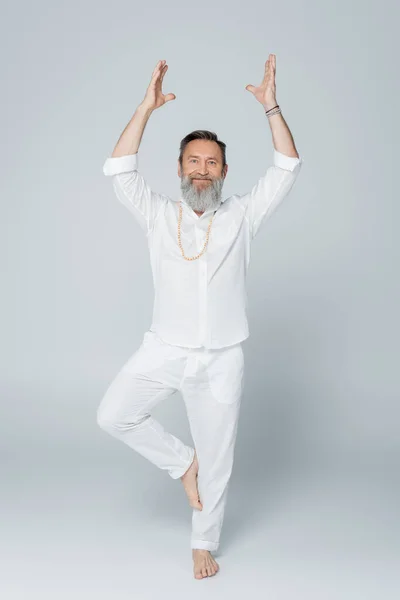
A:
{"x":203,"y":302}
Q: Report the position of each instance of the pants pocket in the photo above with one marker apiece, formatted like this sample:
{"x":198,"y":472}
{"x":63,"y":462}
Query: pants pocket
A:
{"x":227,"y":377}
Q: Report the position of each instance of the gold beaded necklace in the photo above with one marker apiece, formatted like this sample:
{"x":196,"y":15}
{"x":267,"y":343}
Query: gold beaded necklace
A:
{"x":179,"y":236}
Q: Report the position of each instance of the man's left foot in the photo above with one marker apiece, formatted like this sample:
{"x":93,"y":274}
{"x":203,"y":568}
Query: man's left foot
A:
{"x":204,"y":564}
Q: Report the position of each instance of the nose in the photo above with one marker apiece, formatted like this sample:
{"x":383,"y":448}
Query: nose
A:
{"x":202,"y":170}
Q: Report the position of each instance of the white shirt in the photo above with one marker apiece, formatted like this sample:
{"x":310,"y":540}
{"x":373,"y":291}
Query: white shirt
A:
{"x":201,"y":303}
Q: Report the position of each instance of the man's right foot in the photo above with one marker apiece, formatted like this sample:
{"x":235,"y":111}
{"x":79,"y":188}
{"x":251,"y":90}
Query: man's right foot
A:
{"x":189,"y":480}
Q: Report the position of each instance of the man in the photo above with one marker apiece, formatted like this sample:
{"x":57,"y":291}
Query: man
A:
{"x":199,"y":251}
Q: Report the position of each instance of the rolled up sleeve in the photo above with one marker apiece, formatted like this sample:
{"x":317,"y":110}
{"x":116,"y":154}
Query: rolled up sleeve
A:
{"x":120,"y":164}
{"x":133,"y":191}
{"x":270,"y":190}
{"x":285,"y":162}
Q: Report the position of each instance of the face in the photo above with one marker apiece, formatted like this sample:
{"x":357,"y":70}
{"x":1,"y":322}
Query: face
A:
{"x":202,"y":175}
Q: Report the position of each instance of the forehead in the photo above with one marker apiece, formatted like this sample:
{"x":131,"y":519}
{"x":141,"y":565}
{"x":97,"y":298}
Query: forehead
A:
{"x":203,"y":148}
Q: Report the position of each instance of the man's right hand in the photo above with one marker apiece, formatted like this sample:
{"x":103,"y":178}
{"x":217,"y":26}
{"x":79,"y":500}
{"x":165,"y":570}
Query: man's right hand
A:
{"x":130,"y":138}
{"x":154,"y":97}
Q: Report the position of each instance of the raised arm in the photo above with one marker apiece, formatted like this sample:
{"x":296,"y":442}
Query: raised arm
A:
{"x":279,"y":179}
{"x":129,"y":185}
{"x":131,"y":136}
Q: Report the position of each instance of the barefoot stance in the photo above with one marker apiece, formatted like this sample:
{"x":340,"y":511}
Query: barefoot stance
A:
{"x":204,"y":564}
{"x":189,"y":480}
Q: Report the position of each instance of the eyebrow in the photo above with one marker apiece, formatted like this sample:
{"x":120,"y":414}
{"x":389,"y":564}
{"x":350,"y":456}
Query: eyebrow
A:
{"x":197,"y":156}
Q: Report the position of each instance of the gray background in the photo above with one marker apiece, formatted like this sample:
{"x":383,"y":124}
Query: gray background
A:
{"x":312,"y":510}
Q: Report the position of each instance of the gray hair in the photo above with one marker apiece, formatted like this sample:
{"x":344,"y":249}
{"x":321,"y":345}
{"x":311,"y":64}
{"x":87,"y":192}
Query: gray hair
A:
{"x":202,"y":134}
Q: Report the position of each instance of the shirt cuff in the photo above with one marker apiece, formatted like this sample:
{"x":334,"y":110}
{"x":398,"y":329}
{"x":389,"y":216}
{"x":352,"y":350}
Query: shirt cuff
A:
{"x":286,"y":162}
{"x":120,"y":164}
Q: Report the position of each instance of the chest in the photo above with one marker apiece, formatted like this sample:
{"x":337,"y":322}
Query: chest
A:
{"x":221,"y":232}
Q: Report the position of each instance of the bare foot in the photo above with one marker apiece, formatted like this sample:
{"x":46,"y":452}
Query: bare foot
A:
{"x":189,"y":480}
{"x":204,"y":564}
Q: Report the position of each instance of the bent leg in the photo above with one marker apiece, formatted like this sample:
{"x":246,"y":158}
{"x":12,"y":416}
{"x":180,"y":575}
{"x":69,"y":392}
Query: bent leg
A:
{"x":124,"y":412}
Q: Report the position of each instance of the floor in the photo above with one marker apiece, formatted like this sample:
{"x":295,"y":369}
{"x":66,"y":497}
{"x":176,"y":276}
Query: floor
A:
{"x":105,"y":532}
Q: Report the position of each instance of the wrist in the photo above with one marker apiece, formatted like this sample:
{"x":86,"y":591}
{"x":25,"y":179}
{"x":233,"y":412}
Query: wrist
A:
{"x":269,"y":104}
{"x":144,"y":109}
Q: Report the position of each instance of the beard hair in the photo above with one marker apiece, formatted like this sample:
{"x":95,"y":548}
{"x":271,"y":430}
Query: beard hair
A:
{"x":204,"y":198}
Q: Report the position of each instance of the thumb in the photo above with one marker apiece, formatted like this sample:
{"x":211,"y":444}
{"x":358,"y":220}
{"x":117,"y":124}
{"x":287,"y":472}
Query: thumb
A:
{"x":169,"y":97}
{"x":250,"y":88}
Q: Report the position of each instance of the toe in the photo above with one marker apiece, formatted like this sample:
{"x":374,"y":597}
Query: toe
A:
{"x":197,"y":573}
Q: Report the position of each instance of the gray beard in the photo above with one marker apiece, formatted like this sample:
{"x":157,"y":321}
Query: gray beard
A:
{"x":204,"y":198}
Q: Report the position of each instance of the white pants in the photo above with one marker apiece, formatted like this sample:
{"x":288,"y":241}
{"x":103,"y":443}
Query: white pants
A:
{"x":211,"y":384}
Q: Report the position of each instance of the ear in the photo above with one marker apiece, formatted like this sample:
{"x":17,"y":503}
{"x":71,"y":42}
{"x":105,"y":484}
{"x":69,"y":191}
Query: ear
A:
{"x":179,"y":169}
{"x":225,"y":170}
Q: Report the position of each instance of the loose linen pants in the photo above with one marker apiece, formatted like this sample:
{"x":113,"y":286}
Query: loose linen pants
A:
{"x":211,"y":383}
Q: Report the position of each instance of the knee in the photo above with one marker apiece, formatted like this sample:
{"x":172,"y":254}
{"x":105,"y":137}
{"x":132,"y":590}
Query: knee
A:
{"x":105,"y":420}
{"x":107,"y":416}
{"x":113,"y":420}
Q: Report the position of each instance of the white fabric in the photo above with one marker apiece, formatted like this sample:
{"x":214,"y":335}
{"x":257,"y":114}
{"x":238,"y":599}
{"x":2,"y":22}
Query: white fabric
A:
{"x":211,"y":383}
{"x":201,"y":303}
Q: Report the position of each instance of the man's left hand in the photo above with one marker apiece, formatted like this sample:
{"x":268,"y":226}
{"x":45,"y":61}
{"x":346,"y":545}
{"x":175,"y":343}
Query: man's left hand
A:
{"x":266,"y":91}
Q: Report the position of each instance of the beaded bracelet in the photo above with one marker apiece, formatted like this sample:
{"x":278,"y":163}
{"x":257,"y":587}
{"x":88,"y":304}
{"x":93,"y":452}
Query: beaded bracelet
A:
{"x":273,"y":111}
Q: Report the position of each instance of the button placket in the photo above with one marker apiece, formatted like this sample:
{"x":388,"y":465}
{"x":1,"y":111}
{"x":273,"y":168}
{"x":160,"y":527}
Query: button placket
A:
{"x":202,"y":266}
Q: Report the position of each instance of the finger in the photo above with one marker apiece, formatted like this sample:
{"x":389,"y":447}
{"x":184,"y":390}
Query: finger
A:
{"x":156,"y":81}
{"x":163,"y":72}
{"x":157,"y":70}
{"x":169,"y":97}
{"x":156,"y":67}
{"x":250,"y":88}
{"x":160,"y":77}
